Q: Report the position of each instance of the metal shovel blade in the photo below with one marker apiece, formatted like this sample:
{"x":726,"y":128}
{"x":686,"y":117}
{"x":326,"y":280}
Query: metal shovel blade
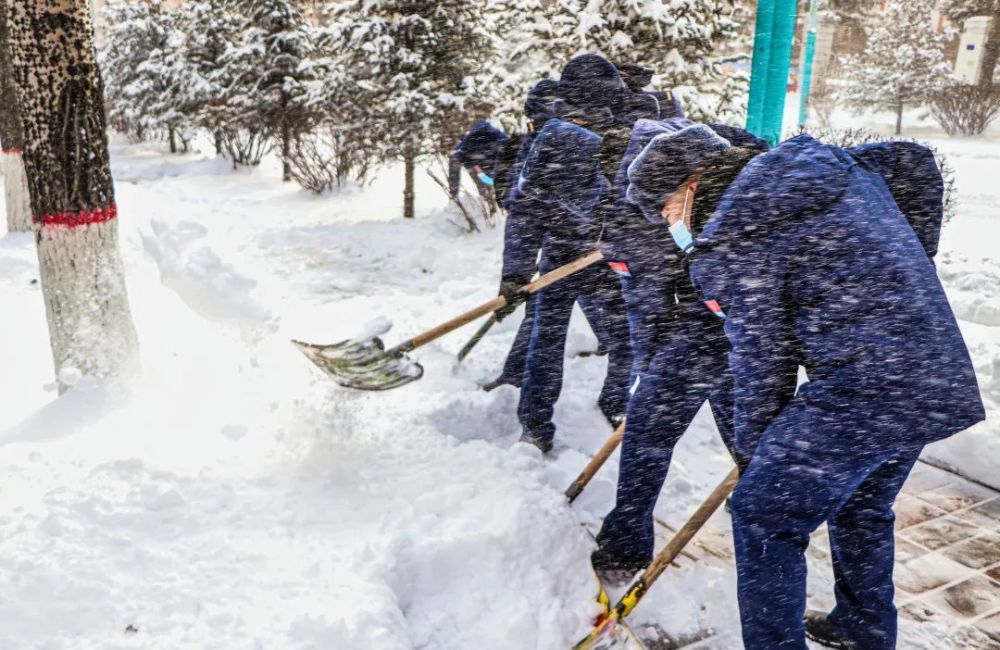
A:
{"x":363,"y":364}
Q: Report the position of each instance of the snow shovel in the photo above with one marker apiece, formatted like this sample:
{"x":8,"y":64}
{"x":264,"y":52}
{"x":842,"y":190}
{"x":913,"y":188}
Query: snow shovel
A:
{"x":365,"y":364}
{"x":605,"y":635}
{"x":576,"y":487}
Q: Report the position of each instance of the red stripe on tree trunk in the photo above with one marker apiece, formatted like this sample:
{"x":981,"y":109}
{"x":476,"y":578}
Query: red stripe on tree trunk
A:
{"x":74,"y":219}
{"x":11,"y":151}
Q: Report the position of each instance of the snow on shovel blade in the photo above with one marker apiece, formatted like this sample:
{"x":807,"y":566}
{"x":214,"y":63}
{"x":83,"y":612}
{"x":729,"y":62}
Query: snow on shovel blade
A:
{"x":363,"y":364}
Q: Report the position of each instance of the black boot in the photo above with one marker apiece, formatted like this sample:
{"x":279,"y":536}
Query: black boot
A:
{"x":545,"y":446}
{"x":613,"y":570}
{"x":820,"y":628}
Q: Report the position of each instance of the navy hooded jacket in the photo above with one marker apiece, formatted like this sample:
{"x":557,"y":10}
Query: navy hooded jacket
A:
{"x":813,"y":264}
{"x":527,"y":217}
{"x":912,"y":176}
{"x":561,"y":181}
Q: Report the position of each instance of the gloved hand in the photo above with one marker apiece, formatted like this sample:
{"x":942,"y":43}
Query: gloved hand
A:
{"x":509,"y":289}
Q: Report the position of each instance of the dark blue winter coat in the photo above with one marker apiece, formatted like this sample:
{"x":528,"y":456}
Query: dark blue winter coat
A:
{"x":813,"y":263}
{"x":527,"y":217}
{"x":559,"y":185}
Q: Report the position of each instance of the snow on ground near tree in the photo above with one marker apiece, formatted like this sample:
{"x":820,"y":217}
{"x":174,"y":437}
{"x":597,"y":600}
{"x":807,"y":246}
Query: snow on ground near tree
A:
{"x":234,"y":497}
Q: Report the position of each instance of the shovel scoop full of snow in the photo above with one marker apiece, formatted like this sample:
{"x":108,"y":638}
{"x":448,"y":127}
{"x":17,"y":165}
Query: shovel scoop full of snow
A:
{"x":363,"y":364}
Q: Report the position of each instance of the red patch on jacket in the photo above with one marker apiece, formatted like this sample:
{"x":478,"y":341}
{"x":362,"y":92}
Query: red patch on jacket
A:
{"x":713,"y":306}
{"x":621,"y":268}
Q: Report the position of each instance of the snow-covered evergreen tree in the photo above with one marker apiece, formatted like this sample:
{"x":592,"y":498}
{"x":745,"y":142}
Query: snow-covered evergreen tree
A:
{"x":158,"y":91}
{"x":903,"y":63}
{"x":342,"y":142}
{"x":415,"y":64}
{"x":211,"y":28}
{"x":531,"y":42}
{"x":142,"y":58}
{"x":269,"y":72}
{"x":685,"y":42}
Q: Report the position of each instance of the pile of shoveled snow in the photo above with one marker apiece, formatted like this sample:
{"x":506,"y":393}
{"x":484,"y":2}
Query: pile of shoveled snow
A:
{"x":232,"y":497}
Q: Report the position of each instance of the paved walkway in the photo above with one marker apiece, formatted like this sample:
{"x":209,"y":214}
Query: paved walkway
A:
{"x":947,"y":561}
{"x":947,"y":556}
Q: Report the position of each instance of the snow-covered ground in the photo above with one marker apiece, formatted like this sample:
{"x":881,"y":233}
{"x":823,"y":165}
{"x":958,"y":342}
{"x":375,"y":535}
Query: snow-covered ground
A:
{"x":233,"y":497}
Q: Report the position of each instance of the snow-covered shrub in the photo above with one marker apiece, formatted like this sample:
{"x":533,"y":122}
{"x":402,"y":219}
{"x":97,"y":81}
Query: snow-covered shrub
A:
{"x":327,"y":158}
{"x":247,"y":145}
{"x":964,"y":109}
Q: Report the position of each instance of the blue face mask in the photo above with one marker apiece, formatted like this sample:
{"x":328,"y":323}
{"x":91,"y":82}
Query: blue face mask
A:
{"x":682,"y":236}
{"x":485,"y":179}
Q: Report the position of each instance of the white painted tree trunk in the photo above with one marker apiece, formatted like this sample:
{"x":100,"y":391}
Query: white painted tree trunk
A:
{"x":59,"y":94}
{"x":90,"y":326}
{"x":18,"y":200}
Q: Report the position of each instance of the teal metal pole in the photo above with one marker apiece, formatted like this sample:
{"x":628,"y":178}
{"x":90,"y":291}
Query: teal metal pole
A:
{"x":807,"y":67}
{"x":782,"y":32}
{"x":758,"y":68}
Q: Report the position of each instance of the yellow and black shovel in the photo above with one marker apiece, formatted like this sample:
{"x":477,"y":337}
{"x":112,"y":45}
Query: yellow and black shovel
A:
{"x":609,"y":632}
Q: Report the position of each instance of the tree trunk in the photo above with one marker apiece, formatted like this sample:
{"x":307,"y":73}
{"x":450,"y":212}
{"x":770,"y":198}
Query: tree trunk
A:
{"x":991,"y":52}
{"x":16,"y":193}
{"x":286,"y":152}
{"x":172,"y":136}
{"x":219,"y":151}
{"x":11,"y":143}
{"x":409,"y":160}
{"x":899,"y":118}
{"x":60,"y":92}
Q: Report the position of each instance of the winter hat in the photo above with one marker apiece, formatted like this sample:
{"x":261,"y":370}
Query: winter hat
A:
{"x":591,"y":89}
{"x":641,"y":106}
{"x":636,"y":77}
{"x":481,"y":146}
{"x":740,"y":137}
{"x":666,"y":162}
{"x":539,"y":106}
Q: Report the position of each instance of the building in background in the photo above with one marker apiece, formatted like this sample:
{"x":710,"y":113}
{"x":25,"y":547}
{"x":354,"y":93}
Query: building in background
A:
{"x":972,"y":48}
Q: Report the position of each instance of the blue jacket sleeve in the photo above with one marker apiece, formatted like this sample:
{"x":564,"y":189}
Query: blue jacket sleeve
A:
{"x":563,"y":168}
{"x":522,"y":240}
{"x":747,"y":279}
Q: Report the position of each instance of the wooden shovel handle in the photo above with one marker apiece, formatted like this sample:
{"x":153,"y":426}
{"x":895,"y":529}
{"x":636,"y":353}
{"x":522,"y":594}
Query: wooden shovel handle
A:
{"x":500,"y":301}
{"x":576,"y":487}
{"x":691,"y":528}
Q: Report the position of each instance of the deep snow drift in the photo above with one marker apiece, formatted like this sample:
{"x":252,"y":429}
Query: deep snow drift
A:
{"x":234,"y":497}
